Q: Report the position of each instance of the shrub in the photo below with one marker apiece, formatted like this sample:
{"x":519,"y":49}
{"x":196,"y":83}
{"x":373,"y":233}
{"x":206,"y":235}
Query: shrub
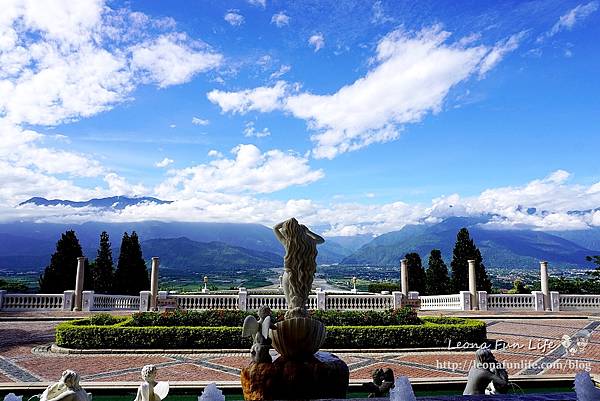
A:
{"x":235,"y":318}
{"x":433,"y":331}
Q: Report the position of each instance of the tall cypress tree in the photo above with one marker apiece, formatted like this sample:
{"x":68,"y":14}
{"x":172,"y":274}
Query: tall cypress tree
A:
{"x":438,"y":282}
{"x":416,"y":273}
{"x":131,"y":275}
{"x":60,"y":274}
{"x":103,"y":268}
{"x":465,"y":249}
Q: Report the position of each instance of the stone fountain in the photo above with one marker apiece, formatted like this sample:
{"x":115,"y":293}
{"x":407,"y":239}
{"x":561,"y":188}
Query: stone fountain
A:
{"x":300,"y":371}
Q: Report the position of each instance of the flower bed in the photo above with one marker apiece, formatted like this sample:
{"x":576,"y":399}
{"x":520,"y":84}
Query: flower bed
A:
{"x":222,"y":330}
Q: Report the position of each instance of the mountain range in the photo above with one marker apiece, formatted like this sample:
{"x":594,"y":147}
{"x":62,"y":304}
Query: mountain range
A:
{"x":197,"y":246}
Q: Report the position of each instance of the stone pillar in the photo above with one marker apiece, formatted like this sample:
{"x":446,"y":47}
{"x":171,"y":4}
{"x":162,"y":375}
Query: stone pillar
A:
{"x":465,"y":300}
{"x":321,"y":299}
{"x":68,"y":300}
{"x":243,"y":300}
{"x":413,"y":295}
{"x":87,"y":301}
{"x":555,"y":301}
{"x":404,"y":277}
{"x":473,"y":284}
{"x":397,"y":299}
{"x":154,"y":284}
{"x":79,"y":283}
{"x":2,"y":292}
{"x":482,"y":300}
{"x":145,"y":301}
{"x":544,"y":283}
{"x":538,"y":301}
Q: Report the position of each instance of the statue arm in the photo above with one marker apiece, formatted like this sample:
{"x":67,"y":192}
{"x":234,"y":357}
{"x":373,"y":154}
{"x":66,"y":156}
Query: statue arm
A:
{"x":316,"y":237}
{"x":278,"y":235}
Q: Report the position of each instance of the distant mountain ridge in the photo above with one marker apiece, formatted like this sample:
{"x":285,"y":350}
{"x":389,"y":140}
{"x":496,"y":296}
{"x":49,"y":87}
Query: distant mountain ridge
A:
{"x":113,"y":202}
{"x":499,"y":248}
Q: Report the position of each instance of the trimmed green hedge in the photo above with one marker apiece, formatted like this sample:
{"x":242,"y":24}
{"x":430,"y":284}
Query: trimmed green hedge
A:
{"x":235,"y":318}
{"x":432,"y":332}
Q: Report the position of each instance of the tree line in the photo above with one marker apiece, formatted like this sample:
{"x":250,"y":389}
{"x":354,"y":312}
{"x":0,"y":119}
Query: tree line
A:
{"x":436,"y":280}
{"x":128,"y":278}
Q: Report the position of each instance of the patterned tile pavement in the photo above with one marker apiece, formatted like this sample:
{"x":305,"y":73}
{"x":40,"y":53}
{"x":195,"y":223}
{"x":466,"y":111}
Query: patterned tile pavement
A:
{"x":532,"y":347}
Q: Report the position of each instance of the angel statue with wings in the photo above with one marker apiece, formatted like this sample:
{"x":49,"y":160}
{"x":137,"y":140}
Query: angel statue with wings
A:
{"x":259,"y":331}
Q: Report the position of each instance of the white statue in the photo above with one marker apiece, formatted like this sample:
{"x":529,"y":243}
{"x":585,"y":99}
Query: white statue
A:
{"x":402,"y":390}
{"x":585,"y":388}
{"x":300,"y":264}
{"x":211,"y":393}
{"x":13,"y":397}
{"x":259,"y":331}
{"x":66,"y":389}
{"x":150,"y":389}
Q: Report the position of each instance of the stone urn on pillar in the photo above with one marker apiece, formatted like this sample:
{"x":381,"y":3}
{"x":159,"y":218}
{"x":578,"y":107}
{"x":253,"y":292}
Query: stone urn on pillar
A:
{"x":300,"y":371}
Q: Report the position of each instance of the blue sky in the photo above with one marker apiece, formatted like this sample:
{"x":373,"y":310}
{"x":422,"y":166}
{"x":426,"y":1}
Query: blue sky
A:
{"x":362,"y":116}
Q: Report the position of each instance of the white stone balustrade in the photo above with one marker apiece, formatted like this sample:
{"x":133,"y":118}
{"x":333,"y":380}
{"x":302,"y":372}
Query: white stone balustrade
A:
{"x":440,"y":302}
{"x":510,"y":302}
{"x":573,"y":302}
{"x":23,"y":302}
{"x":105,"y":302}
{"x":243,"y":300}
{"x":206,"y":301}
{"x":275,"y":301}
{"x":358,"y":301}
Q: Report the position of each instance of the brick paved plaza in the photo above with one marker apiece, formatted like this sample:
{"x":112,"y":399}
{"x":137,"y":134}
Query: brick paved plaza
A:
{"x":533,"y":349}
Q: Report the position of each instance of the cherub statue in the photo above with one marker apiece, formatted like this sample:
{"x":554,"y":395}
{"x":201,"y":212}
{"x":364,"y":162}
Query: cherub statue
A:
{"x":383,"y":381}
{"x":487,"y":375}
{"x":259,"y":331}
{"x":66,"y":389}
{"x":300,"y":264}
{"x":150,"y":389}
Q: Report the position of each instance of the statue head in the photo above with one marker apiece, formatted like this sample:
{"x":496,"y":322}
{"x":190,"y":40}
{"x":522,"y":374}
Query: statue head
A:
{"x":484,"y":358}
{"x":264,"y":311}
{"x":71,"y":379}
{"x":149,"y":373}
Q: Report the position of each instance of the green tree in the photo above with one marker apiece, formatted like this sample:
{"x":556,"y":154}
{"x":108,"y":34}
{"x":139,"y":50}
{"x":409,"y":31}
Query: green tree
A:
{"x":519,"y":288}
{"x":131,"y":275}
{"x":103,"y":268}
{"x":596,"y":272}
{"x":60,"y":274}
{"x":465,"y":249}
{"x":416,"y":273}
{"x":437,"y":282}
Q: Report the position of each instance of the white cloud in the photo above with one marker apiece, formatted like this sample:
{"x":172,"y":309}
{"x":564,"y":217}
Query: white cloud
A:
{"x":262,"y":3}
{"x":280,"y":19}
{"x":249,"y":171}
{"x":62,"y":61}
{"x":379,"y":16}
{"x":568,"y":20}
{"x":250,"y":131}
{"x":317,"y":40}
{"x":173,"y":59}
{"x":164,"y":162}
{"x":93,"y":59}
{"x":216,"y":192}
{"x":411,"y":76}
{"x":234,"y":18}
{"x":263,"y":99}
{"x":214,"y":153}
{"x":172,"y":126}
{"x":200,"y":121}
{"x":119,"y":185}
{"x":284,"y":69}
{"x":498,"y":52}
